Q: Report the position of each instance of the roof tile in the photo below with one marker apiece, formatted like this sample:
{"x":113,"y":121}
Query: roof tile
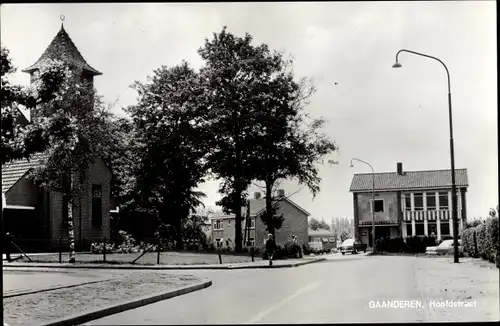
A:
{"x":62,"y":48}
{"x":15,"y":170}
{"x":409,"y":180}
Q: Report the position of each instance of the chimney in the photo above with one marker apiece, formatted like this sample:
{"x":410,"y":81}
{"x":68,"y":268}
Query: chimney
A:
{"x":400,"y":168}
{"x":281,"y":193}
{"x":256,"y":195}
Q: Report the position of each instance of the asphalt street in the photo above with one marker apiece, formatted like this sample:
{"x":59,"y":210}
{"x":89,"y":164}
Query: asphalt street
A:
{"x":341,"y":289}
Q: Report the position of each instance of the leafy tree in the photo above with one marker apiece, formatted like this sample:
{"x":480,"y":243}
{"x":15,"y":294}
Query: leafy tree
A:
{"x":193,"y":234}
{"x":313,"y":223}
{"x":72,"y":136}
{"x":17,"y":141}
{"x":170,"y":124}
{"x":289,"y":143}
{"x":232,"y":64}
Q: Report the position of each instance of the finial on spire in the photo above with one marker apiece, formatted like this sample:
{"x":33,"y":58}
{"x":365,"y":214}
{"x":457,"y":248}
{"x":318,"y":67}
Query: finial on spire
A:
{"x":62,"y":17}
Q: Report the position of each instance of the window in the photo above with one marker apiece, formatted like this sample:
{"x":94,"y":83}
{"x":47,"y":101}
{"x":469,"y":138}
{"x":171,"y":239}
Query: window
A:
{"x":418,"y":201}
{"x":408,"y":202}
{"x":431,"y":201}
{"x":218,"y":225}
{"x":379,"y":205}
{"x":445,"y":228}
{"x":317,"y":240}
{"x":408,"y":230}
{"x":252,"y":223}
{"x":251,"y":242}
{"x":228,"y":223}
{"x":331,"y":239}
{"x":96,"y":205}
{"x":432,"y":228}
{"x":218,"y":243}
{"x":419,"y":228}
{"x":443,"y":200}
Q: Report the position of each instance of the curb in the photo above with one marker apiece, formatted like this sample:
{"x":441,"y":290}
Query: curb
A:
{"x":84,"y":317}
{"x":159,"y":267}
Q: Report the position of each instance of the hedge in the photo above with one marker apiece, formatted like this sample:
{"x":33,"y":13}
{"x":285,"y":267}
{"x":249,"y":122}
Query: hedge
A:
{"x":483,"y":241}
{"x":469,"y":242}
{"x":408,"y":245}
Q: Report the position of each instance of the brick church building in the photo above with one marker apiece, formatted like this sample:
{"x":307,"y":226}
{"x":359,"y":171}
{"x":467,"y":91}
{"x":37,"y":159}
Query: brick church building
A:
{"x":35,"y":216}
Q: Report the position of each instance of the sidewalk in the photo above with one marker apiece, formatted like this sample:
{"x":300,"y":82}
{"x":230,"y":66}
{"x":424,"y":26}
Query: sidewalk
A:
{"x":250,"y":265}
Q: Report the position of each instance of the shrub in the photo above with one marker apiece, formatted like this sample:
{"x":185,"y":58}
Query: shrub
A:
{"x":305,"y":249}
{"x":125,"y":243}
{"x":293,"y":250}
{"x":469,"y":242}
{"x":483,"y":246}
{"x":279,"y":253}
{"x":98,"y":248}
{"x":415,"y":244}
{"x":491,"y":229}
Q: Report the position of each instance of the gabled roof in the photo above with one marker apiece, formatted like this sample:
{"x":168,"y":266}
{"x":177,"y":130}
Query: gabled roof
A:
{"x":13,"y":171}
{"x":257,"y":206}
{"x":409,"y":180}
{"x":62,"y":48}
{"x":320,"y":233}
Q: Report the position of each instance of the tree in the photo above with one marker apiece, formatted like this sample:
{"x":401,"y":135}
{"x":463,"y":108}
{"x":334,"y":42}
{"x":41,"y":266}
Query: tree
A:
{"x":289,"y":143}
{"x":231,"y":65}
{"x":71,"y":137}
{"x":313,"y":223}
{"x":170,"y":123}
{"x":17,"y":142}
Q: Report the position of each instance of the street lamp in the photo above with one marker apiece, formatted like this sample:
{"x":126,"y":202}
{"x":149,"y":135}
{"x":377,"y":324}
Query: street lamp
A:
{"x":373,"y":198}
{"x":452,"y":152}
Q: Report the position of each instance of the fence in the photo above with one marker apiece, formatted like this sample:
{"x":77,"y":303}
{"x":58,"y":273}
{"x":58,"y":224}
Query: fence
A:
{"x":150,"y":251}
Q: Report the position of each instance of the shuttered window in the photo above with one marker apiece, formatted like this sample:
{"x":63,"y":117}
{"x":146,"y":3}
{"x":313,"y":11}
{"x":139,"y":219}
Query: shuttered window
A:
{"x":96,"y":205}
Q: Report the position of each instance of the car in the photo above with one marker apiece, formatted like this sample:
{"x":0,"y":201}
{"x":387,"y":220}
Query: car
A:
{"x":352,"y":246}
{"x":445,"y":248}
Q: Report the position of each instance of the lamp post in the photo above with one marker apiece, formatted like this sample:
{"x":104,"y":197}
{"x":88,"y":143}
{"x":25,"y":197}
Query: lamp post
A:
{"x":452,"y":152}
{"x":373,"y":198}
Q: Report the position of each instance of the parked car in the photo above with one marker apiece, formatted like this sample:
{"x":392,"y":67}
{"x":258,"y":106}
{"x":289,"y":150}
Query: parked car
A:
{"x":352,"y":246}
{"x":445,"y":248}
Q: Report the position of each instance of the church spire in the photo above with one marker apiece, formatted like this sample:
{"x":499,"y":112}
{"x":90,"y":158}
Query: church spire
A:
{"x":62,"y":48}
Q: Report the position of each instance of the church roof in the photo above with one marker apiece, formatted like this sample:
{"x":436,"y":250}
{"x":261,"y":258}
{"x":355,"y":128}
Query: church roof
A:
{"x":63,"y":48}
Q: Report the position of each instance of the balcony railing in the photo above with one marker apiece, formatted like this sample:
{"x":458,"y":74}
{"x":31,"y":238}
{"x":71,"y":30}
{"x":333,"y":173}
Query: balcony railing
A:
{"x":429,"y":215}
{"x":389,"y":222}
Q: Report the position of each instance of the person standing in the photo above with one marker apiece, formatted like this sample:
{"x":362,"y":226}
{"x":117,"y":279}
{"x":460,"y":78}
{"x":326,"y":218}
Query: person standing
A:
{"x":270,"y":248}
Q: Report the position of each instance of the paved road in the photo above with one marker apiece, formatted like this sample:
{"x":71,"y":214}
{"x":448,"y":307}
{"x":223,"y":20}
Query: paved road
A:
{"x":337,"y":290}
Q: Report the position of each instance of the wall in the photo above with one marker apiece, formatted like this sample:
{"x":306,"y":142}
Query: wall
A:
{"x":390,"y":206}
{"x":23,"y":193}
{"x":98,"y":174}
{"x":295,"y":223}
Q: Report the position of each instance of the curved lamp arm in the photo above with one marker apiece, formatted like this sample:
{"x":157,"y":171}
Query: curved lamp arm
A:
{"x":397,"y":64}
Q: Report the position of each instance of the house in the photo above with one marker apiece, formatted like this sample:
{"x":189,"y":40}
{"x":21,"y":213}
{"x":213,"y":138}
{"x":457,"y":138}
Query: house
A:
{"x":254,"y":230}
{"x":411,"y":203}
{"x":35,"y":216}
{"x":322,"y":236}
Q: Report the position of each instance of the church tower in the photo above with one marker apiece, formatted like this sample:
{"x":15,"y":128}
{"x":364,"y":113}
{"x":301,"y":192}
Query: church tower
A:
{"x":62,"y":48}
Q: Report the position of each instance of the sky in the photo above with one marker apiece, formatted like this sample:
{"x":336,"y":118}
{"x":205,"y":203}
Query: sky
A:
{"x":375,"y":113}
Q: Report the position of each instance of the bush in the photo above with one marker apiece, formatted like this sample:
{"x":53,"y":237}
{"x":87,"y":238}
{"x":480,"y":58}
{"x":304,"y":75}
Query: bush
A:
{"x":293,"y":250}
{"x":279,"y":253}
{"x":305,"y":249}
{"x":483,"y":246}
{"x":415,"y":244}
{"x":386,"y":244}
{"x":491,"y":228}
{"x":469,"y":242}
{"x":125,"y":243}
{"x":98,"y":248}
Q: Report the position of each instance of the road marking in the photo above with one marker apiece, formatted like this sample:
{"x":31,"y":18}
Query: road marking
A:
{"x":266,"y":312}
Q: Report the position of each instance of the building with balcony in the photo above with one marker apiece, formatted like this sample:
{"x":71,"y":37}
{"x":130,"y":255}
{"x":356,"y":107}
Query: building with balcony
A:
{"x":411,"y":203}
